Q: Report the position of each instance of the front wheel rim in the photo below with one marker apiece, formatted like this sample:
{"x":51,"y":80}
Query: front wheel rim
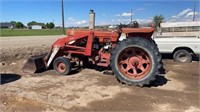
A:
{"x":134,"y":63}
{"x":61,"y":67}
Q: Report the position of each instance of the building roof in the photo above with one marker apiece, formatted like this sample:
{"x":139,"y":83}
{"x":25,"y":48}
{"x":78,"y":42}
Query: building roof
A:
{"x":6,"y":25}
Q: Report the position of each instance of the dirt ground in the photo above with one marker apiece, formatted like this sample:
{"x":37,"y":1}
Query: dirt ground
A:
{"x":90,"y":89}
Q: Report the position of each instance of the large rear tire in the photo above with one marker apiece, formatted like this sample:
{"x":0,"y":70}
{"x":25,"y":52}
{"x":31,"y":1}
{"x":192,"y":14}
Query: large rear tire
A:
{"x":135,"y":61}
{"x":159,"y":57}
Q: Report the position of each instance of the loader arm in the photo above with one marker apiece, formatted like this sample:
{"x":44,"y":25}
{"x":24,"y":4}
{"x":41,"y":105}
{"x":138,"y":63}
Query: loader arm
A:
{"x":67,"y":45}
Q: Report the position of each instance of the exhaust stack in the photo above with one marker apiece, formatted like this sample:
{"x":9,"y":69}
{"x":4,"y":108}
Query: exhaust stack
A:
{"x":91,"y":19}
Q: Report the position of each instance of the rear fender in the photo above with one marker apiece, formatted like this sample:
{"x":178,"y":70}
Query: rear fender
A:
{"x":138,"y":32}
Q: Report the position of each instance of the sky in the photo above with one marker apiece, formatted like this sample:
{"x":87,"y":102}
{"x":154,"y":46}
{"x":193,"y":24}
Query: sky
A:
{"x":111,"y":12}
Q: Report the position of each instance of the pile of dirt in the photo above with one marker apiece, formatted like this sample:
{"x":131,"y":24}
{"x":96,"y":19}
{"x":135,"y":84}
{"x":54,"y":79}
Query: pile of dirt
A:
{"x":15,"y":48}
{"x":8,"y":54}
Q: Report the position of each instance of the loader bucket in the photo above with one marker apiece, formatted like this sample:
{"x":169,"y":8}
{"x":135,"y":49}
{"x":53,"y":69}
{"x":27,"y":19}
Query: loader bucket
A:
{"x":35,"y":64}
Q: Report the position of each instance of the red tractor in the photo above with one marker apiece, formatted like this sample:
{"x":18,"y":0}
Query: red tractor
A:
{"x":130,"y":52}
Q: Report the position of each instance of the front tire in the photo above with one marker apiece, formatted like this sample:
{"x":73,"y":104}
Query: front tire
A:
{"x":183,"y":56}
{"x":62,"y":65}
{"x":134,"y":61}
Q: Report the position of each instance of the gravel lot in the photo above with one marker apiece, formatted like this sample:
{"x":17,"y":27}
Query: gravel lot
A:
{"x":89,"y":89}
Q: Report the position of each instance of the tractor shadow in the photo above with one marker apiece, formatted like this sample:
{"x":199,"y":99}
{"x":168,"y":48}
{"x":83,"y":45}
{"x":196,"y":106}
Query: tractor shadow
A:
{"x":196,"y":58}
{"x":8,"y":78}
{"x":167,"y":56}
{"x":95,"y":67}
{"x":160,"y":81}
{"x":75,"y":70}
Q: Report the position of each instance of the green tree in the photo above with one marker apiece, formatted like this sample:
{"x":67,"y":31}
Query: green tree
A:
{"x":157,"y":20}
{"x":13,"y":23}
{"x":47,"y":25}
{"x":19,"y":25}
{"x":32,"y":23}
{"x":51,"y":25}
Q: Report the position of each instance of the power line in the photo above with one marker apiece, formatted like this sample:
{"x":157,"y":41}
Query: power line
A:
{"x":131,"y":15}
{"x":194,"y":10}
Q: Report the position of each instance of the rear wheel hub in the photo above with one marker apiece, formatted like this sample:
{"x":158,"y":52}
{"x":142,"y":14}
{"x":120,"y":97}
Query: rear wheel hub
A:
{"x":134,"y":61}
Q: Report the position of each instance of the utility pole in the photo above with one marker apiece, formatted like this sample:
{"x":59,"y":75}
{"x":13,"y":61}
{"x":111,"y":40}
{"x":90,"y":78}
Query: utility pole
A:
{"x":63,"y":22}
{"x":194,"y":10}
{"x":131,"y":15}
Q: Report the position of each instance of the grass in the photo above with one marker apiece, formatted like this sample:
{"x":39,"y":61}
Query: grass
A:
{"x":26,"y":32}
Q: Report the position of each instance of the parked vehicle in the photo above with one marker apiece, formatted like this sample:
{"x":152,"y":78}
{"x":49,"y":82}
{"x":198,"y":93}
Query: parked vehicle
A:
{"x":180,"y":39}
{"x":181,"y":48}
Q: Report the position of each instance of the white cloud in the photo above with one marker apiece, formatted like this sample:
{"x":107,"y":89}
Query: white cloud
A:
{"x":125,"y":14}
{"x":81,"y":23}
{"x":174,"y":16}
{"x":184,"y":12}
{"x":71,"y":19}
{"x":185,"y":15}
{"x":144,"y":20}
{"x":191,"y":14}
{"x":116,"y":21}
{"x":127,"y":21}
{"x":76,"y":22}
